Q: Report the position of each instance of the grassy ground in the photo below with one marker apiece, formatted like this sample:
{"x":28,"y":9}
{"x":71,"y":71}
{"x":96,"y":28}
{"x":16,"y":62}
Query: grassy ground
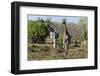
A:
{"x":46,"y":52}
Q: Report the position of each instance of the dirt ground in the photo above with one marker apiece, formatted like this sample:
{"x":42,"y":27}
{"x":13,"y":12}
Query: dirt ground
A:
{"x":46,"y":52}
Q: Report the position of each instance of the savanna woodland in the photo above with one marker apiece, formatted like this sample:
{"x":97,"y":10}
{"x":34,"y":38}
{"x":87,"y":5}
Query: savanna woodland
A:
{"x":45,"y":39}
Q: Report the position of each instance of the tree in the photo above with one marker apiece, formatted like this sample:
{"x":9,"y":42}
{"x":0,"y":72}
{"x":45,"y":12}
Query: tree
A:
{"x":30,"y":32}
{"x":37,"y":31}
{"x":84,"y":23}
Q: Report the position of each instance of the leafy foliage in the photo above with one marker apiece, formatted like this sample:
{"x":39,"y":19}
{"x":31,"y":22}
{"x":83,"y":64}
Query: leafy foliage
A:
{"x":37,"y":31}
{"x":59,"y":42}
{"x":83,"y":22}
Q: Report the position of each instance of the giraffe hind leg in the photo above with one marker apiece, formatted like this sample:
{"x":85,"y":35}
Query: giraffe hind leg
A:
{"x":66,"y":47}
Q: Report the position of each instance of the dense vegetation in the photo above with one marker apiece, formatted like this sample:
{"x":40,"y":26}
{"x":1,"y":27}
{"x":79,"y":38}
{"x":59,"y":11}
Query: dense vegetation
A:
{"x":37,"y":31}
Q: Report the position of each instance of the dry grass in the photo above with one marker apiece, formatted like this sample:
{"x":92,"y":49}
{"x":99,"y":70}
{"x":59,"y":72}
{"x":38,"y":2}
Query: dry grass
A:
{"x":46,"y":52}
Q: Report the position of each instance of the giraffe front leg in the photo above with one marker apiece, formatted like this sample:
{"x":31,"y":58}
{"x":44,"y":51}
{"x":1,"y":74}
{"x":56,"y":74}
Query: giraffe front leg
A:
{"x":63,"y":43}
{"x":54,"y":43}
{"x":66,"y":47}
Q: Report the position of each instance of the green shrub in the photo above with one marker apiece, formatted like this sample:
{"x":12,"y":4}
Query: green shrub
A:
{"x":59,"y":42}
{"x":37,"y":31}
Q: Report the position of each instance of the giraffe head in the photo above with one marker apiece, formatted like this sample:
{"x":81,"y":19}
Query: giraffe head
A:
{"x":63,"y":21}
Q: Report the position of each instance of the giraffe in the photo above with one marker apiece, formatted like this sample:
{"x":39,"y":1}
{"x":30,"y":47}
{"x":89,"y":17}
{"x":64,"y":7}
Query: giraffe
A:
{"x":53,"y":35}
{"x":66,"y":37}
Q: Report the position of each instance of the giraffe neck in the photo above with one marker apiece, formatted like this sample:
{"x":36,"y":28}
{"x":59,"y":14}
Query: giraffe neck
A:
{"x":65,"y":30}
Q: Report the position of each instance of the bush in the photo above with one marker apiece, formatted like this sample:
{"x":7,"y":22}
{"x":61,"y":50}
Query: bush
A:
{"x":37,"y":31}
{"x":59,"y":42}
{"x":84,"y":44}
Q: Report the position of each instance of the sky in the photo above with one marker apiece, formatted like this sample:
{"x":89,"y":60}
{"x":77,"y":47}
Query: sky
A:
{"x":70,"y":19}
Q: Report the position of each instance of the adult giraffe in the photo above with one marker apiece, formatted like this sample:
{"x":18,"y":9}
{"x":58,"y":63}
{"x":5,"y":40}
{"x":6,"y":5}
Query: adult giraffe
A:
{"x":66,"y":37}
{"x":53,"y":35}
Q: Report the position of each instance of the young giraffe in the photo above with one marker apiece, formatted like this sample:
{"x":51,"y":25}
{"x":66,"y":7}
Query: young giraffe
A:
{"x":66,"y":37}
